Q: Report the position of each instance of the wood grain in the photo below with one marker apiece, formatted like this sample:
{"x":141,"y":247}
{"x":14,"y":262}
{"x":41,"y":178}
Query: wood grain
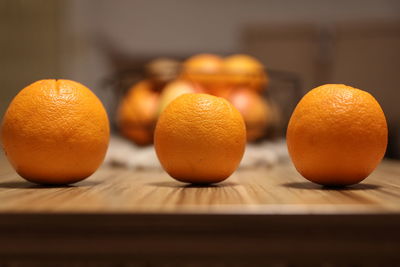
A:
{"x":258,"y":217}
{"x":276,"y":190}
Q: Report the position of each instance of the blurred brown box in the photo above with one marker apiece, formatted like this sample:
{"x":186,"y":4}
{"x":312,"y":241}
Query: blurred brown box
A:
{"x":364,"y":54}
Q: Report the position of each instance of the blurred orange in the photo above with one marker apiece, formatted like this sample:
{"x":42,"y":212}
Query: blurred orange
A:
{"x":138,"y":111}
{"x":254,"y":109}
{"x":245,"y":71}
{"x":174,"y":89}
{"x":204,"y":69}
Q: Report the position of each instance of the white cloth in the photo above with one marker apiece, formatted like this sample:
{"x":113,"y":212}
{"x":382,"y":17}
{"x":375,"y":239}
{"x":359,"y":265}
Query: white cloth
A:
{"x":124,"y":153}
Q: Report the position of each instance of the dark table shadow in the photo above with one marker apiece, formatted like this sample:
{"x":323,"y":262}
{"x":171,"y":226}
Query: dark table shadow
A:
{"x":183,"y":185}
{"x":312,"y":186}
{"x":28,"y":185}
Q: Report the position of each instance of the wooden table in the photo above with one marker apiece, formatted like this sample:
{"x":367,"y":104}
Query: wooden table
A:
{"x":257,"y":216}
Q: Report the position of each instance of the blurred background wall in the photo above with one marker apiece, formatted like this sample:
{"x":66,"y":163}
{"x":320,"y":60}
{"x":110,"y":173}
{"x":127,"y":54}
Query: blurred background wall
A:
{"x":355,"y":42}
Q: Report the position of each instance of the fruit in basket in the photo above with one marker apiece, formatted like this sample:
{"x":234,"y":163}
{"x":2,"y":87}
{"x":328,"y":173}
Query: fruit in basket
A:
{"x":174,"y":89}
{"x":137,"y":113}
{"x":254,"y":109}
{"x":245,"y":71}
{"x":203,"y":69}
{"x":55,"y":132}
{"x":337,"y":135}
{"x":161,"y":71}
{"x":200,"y":138}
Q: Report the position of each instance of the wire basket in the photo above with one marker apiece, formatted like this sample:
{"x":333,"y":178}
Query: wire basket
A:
{"x":283,"y":93}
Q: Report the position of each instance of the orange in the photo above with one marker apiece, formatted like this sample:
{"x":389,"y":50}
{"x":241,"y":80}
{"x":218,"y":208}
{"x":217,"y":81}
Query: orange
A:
{"x":254,"y":109}
{"x":200,"y":138}
{"x":245,"y":71}
{"x":337,"y":135}
{"x":204,"y":69}
{"x":55,"y":132}
{"x":137,"y":113}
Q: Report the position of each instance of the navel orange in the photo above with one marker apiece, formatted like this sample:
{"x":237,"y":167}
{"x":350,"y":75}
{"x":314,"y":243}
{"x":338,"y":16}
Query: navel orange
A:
{"x":200,"y":138}
{"x":337,"y":135}
{"x":55,"y":132}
